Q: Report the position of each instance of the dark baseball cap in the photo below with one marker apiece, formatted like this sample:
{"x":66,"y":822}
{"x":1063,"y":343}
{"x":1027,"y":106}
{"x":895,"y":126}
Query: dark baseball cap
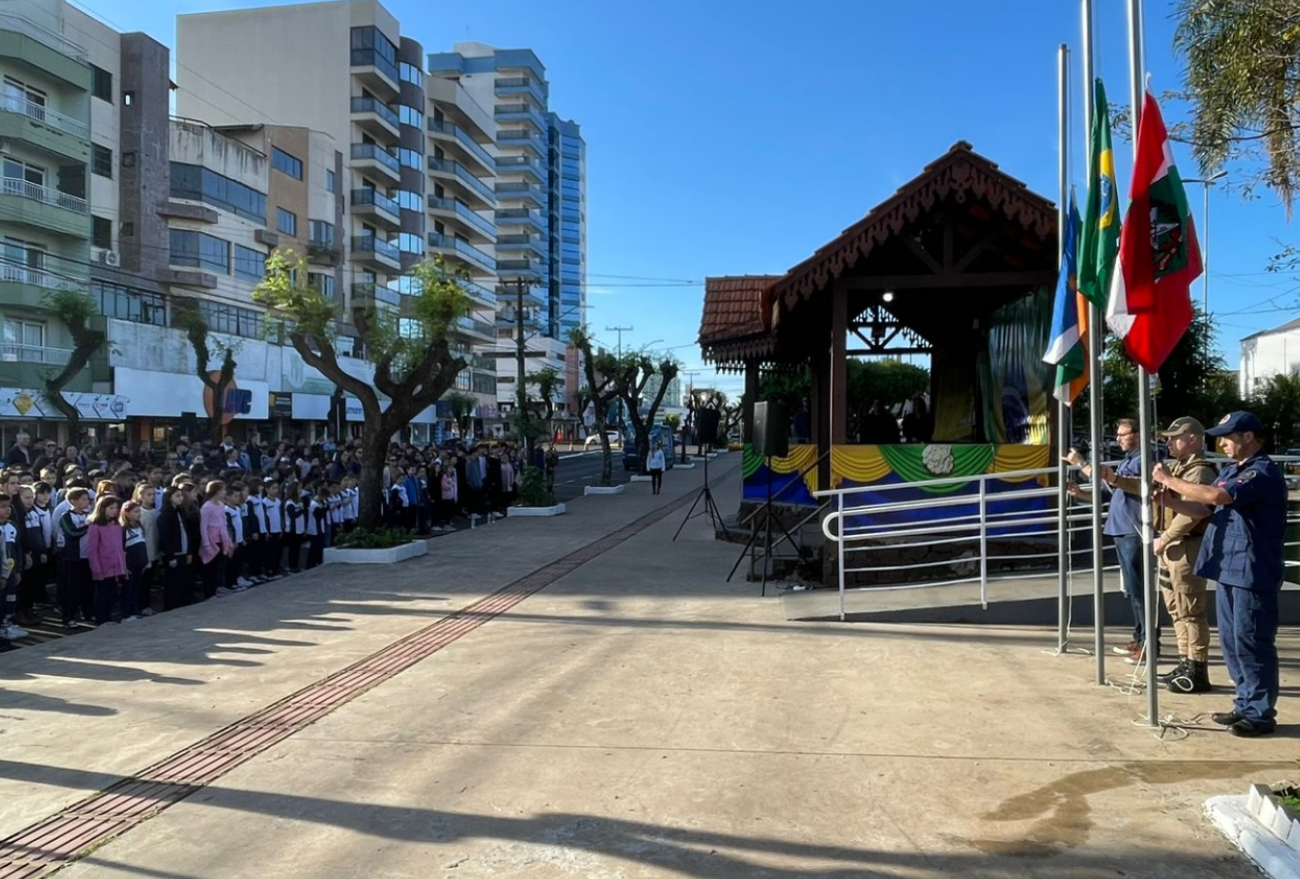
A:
{"x":1237,"y":422}
{"x":1183,"y":427}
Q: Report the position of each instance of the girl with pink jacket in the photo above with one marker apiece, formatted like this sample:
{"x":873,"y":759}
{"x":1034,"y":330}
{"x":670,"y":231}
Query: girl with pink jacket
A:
{"x":106,"y":552}
{"x":215,"y":545}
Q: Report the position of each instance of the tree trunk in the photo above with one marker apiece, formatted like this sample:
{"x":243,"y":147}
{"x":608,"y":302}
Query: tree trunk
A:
{"x":54,"y":396}
{"x":374,"y":451}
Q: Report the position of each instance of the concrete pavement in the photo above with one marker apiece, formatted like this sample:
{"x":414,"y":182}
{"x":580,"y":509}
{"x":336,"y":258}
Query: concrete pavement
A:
{"x":638,"y":717}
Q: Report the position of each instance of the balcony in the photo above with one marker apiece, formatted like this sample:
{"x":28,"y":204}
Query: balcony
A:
{"x":365,"y":294}
{"x":479,"y":329}
{"x":30,"y":287}
{"x":511,"y":190}
{"x":324,"y":253}
{"x":520,"y":85}
{"x":479,"y":229}
{"x":374,"y":116}
{"x":464,"y":251}
{"x":47,"y":130}
{"x":533,"y":317}
{"x":520,"y":113}
{"x":376,"y":72}
{"x":476,"y":191}
{"x":481,"y":296}
{"x":373,"y":157}
{"x":522,"y":165}
{"x":520,"y":217}
{"x":523,"y":268}
{"x":44,"y":208}
{"x":371,"y":250}
{"x":11,"y":353}
{"x":521,"y":246}
{"x":522,"y":137}
{"x":444,"y":130}
{"x":373,"y":204}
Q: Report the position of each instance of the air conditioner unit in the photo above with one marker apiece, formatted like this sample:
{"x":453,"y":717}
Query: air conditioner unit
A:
{"x":110,"y":258}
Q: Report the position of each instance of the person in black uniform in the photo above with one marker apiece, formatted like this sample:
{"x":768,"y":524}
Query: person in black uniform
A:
{"x":1242,"y":551}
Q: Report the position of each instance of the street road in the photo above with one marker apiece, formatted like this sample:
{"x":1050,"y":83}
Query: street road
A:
{"x":580,"y":469}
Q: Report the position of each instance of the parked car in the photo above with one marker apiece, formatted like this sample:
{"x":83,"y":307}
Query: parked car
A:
{"x":594,"y":439}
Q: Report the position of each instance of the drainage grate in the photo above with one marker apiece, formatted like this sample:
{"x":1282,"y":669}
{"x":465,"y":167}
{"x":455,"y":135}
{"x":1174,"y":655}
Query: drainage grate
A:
{"x":60,"y":839}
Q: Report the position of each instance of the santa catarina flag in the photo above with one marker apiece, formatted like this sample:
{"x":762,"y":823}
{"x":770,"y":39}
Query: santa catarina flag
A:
{"x":1067,"y":349}
{"x":1100,"y":235}
{"x":1150,"y":307}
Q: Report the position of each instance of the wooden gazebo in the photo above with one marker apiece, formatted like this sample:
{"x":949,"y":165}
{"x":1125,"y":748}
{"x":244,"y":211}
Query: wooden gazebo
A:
{"x":956,"y":265}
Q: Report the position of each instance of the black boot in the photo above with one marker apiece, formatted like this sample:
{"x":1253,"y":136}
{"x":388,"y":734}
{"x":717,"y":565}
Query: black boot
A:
{"x":1166,"y":677}
{"x":1195,"y":679}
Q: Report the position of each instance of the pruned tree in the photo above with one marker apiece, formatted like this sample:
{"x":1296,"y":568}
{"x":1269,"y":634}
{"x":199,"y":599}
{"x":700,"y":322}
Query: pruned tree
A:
{"x":196,"y":329}
{"x":462,"y":410}
{"x":1243,"y":81}
{"x":76,"y":310}
{"x":547,"y":382}
{"x":601,"y":389}
{"x":411,"y":351}
{"x":635,"y":369}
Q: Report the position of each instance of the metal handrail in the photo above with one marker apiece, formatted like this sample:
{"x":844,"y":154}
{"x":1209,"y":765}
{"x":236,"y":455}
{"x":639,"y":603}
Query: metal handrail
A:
{"x":14,"y":353}
{"x":44,"y":194}
{"x":43,"y":114}
{"x":14,"y":273}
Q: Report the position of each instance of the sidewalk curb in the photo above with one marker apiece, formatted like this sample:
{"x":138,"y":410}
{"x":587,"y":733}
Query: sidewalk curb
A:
{"x":1232,"y":815}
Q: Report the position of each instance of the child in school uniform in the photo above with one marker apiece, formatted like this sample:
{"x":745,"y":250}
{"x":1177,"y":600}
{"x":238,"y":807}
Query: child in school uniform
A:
{"x":106,"y":553}
{"x":235,"y":528}
{"x":255,"y":532}
{"x":136,"y":545}
{"x":318,"y":513}
{"x":38,"y":541}
{"x":76,"y":590}
{"x":11,"y":555}
{"x":295,"y":525}
{"x":146,"y":495}
{"x":351,"y":506}
{"x":273,"y":533}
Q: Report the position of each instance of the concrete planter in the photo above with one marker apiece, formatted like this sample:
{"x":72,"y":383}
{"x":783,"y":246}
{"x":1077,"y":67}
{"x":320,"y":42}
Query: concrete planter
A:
{"x":640,"y":478}
{"x":516,"y":512}
{"x":391,"y":556}
{"x":604,"y":489}
{"x":1262,"y":827}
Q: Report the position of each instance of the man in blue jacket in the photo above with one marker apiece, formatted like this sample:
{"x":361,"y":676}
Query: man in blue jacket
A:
{"x":1243,"y":552}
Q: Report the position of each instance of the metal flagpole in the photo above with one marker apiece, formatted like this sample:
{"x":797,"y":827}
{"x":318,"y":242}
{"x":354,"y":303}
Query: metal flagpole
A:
{"x":1096,"y":334}
{"x":1062,"y":410}
{"x":1144,"y":400}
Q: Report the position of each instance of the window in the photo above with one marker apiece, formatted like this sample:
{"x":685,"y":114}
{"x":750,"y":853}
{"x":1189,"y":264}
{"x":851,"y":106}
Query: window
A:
{"x":331,"y":183}
{"x":232,"y":320}
{"x":200,"y":250}
{"x":15,"y":169}
{"x":322,"y":282}
{"x":410,"y":158}
{"x":101,"y":161}
{"x":286,"y":163}
{"x":22,"y":98}
{"x":321,"y":232}
{"x":196,"y":183}
{"x":286,"y":222}
{"x":410,"y":73}
{"x":126,"y":303}
{"x":249,"y":263}
{"x":371,"y":47}
{"x":101,"y":83}
{"x":24,"y":341}
{"x":409,"y":243}
{"x":101,"y":232}
{"x":410,"y":116}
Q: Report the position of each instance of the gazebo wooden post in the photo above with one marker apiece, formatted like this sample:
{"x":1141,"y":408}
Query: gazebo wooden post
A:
{"x":839,"y":397}
{"x":747,"y":401}
{"x":819,"y":368}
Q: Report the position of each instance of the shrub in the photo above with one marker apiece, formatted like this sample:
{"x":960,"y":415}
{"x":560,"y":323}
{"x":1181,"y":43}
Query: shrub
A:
{"x":532,"y":489}
{"x":375,"y":538}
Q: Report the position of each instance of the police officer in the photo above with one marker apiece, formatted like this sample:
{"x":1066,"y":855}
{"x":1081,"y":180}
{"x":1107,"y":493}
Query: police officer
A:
{"x":1177,"y":547}
{"x":1242,"y":551}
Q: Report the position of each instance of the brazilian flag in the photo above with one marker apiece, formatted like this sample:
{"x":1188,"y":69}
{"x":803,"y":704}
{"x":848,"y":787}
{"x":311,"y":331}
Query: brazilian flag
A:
{"x":1099,"y":245}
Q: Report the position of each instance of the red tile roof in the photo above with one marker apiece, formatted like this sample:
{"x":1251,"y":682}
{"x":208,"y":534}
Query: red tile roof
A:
{"x":736,"y":307}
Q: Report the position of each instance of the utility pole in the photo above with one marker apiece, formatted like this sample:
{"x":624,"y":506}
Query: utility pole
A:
{"x":620,"y":331}
{"x":521,"y":393}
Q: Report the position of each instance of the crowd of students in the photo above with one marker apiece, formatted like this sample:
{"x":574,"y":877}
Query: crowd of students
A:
{"x":119,"y":533}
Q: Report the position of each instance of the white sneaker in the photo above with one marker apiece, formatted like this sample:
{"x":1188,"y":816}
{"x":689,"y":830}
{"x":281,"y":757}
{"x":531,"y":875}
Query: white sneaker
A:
{"x":243,"y":582}
{"x":147,"y":612}
{"x":223,"y":591}
{"x":131,"y":619}
{"x":11,"y":632}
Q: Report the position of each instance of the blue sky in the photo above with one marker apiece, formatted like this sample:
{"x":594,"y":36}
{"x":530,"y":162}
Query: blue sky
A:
{"x":734,"y":137}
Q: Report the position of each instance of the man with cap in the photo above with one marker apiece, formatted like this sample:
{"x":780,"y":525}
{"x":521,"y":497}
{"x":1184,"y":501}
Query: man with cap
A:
{"x":1177,"y":547}
{"x":1242,"y":551}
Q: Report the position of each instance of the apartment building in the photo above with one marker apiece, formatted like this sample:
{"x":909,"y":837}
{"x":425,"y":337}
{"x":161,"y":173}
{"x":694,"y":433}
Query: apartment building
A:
{"x":541,"y":203}
{"x":417,"y":168}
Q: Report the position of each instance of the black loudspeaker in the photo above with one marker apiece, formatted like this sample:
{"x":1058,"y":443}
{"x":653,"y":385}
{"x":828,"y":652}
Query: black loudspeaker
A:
{"x":771,"y":430}
{"x":706,"y":426}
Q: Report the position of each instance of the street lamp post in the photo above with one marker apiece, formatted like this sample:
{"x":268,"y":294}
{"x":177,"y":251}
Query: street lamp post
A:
{"x":1205,"y":248}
